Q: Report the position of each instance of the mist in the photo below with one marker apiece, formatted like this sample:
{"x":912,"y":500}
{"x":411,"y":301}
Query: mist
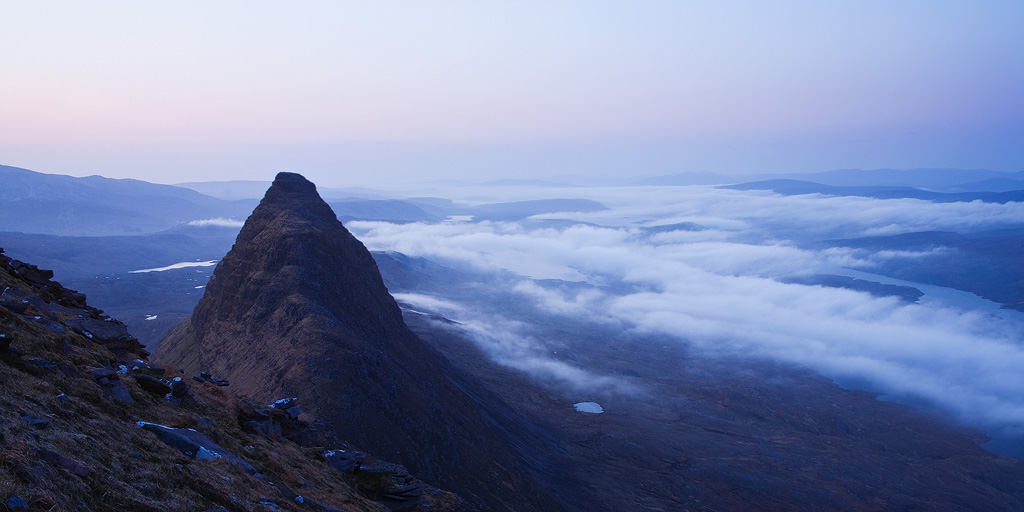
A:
{"x":713,"y":270}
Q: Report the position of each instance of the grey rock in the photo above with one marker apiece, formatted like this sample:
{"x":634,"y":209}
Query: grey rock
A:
{"x":68,"y":370}
{"x":265,"y":427}
{"x":14,"y":502}
{"x":345,"y":460}
{"x":100,"y":331}
{"x":14,"y":305}
{"x":60,"y":461}
{"x":152,"y":384}
{"x":50,"y":325}
{"x":261,"y":414}
{"x":193,"y":443}
{"x":34,"y":422}
{"x":283,"y":403}
{"x":119,"y":391}
{"x":103,"y":373}
{"x":179,"y":388}
{"x":34,"y":274}
{"x":41,"y":363}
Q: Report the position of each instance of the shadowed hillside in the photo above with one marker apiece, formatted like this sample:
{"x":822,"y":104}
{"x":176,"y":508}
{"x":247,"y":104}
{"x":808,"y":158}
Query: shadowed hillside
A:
{"x":298,"y":308}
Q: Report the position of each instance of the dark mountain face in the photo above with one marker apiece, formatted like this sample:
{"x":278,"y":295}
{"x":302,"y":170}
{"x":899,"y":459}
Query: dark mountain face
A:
{"x":298,"y":308}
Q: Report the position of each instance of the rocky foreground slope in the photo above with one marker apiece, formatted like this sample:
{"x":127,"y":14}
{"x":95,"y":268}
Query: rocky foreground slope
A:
{"x":298,"y":308}
{"x":88,"y":424}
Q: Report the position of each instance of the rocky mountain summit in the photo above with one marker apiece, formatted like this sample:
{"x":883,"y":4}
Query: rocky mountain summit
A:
{"x":88,"y":423}
{"x":298,"y":308}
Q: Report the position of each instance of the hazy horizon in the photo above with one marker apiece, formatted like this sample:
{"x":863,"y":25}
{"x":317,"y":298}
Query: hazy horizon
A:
{"x":374,"y":94}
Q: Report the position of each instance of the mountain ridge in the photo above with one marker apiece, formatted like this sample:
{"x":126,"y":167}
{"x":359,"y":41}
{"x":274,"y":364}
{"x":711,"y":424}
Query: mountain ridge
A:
{"x":94,"y":205}
{"x":298,"y":307}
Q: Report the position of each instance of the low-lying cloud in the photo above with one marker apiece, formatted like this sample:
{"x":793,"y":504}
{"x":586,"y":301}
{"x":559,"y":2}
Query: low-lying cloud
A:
{"x":218,"y":222}
{"x":508,"y":343}
{"x":722,"y":289}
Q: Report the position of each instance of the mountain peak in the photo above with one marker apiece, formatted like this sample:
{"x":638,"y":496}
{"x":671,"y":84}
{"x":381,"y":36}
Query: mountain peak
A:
{"x":298,"y":308}
{"x":290,"y":185}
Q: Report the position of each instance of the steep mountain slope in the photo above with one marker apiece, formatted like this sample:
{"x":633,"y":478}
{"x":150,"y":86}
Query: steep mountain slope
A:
{"x":87,"y":424}
{"x":298,"y":308}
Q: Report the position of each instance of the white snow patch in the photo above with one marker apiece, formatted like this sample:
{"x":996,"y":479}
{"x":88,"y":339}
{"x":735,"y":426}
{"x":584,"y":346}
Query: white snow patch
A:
{"x":184,"y":264}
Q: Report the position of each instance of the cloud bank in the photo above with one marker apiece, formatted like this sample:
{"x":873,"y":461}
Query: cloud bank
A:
{"x":721,"y":289}
{"x":218,"y":222}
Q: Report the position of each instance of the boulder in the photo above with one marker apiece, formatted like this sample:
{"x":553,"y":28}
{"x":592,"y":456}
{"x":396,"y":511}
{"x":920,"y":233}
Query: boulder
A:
{"x":34,"y":274}
{"x":283,"y":403}
{"x":14,"y":305}
{"x":345,"y":460}
{"x":103,"y":373}
{"x":60,"y":461}
{"x":193,"y":444}
{"x":179,"y":388}
{"x":265,"y":427}
{"x":152,"y":384}
{"x":14,"y":502}
{"x":100,"y":331}
{"x":118,"y":391}
{"x":34,"y":422}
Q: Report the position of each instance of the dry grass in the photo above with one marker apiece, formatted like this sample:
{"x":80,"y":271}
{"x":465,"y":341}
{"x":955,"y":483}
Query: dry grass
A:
{"x":129,"y":468}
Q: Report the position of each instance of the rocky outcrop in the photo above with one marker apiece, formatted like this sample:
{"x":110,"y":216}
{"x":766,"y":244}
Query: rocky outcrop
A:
{"x":51,"y":300}
{"x":298,"y":308}
{"x":84,"y":427}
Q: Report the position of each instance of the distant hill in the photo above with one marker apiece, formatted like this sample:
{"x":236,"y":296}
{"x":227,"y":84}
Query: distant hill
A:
{"x":986,"y":263}
{"x":254,"y":189}
{"x":33,"y":202}
{"x":796,"y":187}
{"x":936,"y":180}
{"x":391,"y":210}
{"x":929,"y":179}
{"x":990,"y":185}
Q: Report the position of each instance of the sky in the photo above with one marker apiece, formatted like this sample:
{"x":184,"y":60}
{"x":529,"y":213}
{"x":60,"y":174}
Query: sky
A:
{"x":374,"y":93}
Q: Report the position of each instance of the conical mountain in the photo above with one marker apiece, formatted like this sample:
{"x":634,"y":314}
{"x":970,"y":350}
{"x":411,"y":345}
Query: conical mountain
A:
{"x":298,"y":308}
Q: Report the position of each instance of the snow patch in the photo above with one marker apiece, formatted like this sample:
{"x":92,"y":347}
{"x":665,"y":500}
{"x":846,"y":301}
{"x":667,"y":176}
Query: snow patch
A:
{"x":184,"y":264}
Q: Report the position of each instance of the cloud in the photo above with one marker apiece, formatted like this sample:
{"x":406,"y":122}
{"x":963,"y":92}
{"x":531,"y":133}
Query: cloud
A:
{"x":218,"y":221}
{"x":507,"y":343}
{"x":722,"y":290}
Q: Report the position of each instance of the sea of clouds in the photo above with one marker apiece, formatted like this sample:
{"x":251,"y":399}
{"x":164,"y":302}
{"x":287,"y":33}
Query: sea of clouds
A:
{"x":718,"y":284}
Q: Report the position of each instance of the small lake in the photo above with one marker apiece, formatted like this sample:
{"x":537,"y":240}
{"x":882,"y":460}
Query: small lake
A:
{"x":589,"y":407}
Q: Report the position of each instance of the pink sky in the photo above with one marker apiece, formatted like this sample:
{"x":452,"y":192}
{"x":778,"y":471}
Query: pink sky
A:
{"x":362,"y":92}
